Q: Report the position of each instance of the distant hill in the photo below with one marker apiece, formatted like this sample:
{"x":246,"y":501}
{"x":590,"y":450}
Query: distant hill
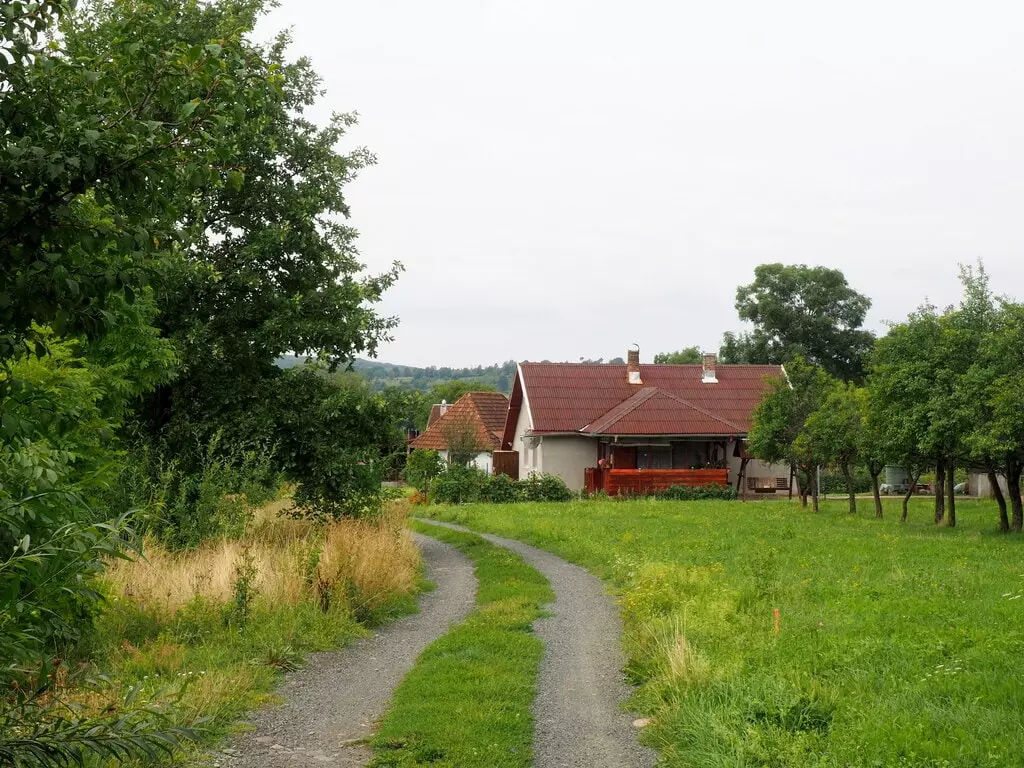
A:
{"x":382,"y":375}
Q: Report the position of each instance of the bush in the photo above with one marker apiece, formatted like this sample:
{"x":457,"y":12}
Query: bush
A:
{"x":501,"y":489}
{"x":541,"y":486}
{"x":687,"y":493}
{"x":467,"y":485}
{"x":459,"y":485}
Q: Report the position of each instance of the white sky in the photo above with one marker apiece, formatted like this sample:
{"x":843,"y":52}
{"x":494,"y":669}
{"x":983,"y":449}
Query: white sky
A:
{"x":562,"y":179}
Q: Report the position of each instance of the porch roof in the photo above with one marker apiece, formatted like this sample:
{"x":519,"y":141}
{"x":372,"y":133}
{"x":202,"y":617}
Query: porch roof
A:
{"x":653,"y":411}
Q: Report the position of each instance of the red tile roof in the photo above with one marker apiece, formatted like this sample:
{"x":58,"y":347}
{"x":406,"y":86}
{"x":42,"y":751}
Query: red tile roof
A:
{"x":568,"y":397}
{"x":482,"y":412}
{"x":653,"y":411}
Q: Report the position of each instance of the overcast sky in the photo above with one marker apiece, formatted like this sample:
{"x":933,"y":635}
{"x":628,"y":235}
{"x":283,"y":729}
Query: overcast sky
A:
{"x":562,"y":179}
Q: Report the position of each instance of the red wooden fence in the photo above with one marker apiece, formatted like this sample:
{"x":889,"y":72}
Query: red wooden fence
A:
{"x":641,"y":482}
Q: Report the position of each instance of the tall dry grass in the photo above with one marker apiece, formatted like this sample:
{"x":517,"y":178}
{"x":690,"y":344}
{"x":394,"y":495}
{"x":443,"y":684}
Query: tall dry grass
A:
{"x":365,"y":563}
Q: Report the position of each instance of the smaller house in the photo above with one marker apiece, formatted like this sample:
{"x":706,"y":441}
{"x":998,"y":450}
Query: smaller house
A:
{"x":472,"y":426}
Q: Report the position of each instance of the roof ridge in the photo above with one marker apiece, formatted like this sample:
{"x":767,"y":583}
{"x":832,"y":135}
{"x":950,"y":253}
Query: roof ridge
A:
{"x":697,"y":408}
{"x":627,"y":406}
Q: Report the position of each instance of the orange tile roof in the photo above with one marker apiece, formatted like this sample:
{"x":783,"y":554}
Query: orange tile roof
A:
{"x":481,"y":412}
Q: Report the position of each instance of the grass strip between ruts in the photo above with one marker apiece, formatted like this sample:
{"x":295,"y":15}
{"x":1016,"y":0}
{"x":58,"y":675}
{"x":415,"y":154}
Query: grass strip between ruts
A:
{"x":468,"y":700}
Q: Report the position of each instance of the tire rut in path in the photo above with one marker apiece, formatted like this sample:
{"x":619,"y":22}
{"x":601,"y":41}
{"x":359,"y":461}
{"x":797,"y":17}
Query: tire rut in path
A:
{"x":336,"y":698}
{"x":580,"y":722}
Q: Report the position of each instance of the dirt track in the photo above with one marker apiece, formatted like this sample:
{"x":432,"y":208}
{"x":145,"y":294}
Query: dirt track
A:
{"x":333,"y":702}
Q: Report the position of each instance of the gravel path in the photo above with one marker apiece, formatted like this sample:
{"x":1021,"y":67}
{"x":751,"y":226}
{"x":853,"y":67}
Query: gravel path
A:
{"x":580,"y":722}
{"x":333,"y":702}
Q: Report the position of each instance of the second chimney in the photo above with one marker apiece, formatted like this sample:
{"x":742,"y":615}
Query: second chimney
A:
{"x":710,"y":362}
{"x":633,"y":366}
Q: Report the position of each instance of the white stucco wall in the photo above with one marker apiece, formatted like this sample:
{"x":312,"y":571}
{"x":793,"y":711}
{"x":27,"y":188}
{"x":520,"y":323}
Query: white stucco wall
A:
{"x":567,"y":457}
{"x":527,"y":463}
{"x":482,"y":461}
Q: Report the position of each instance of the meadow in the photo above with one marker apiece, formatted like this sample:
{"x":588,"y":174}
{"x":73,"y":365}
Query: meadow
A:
{"x":761,"y":634}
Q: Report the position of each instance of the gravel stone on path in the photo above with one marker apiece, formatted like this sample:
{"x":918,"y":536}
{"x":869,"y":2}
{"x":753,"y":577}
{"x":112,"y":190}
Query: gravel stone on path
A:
{"x":332,"y":703}
{"x":580,"y":720}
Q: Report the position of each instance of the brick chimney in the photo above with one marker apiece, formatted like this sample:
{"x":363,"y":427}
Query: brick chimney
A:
{"x":710,"y":362}
{"x":633,"y":366}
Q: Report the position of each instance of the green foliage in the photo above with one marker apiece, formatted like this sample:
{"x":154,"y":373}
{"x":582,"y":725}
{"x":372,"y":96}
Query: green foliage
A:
{"x":38,"y":730}
{"x":422,"y":467}
{"x":778,"y":433}
{"x":704,"y":492}
{"x":107,"y":128}
{"x":542,"y":486}
{"x":501,"y":489}
{"x":796,"y":310}
{"x":468,"y":485}
{"x":459,"y":485}
{"x":243,"y":588}
{"x":685,"y":355}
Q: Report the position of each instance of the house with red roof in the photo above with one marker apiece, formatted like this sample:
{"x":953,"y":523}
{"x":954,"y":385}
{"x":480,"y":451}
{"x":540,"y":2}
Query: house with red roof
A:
{"x":638,"y":428}
{"x":473,"y":424}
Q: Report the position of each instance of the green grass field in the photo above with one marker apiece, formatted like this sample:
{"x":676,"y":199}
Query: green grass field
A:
{"x":897,"y":644}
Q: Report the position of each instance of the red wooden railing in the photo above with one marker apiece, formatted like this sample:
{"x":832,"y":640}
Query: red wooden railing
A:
{"x":641,"y":482}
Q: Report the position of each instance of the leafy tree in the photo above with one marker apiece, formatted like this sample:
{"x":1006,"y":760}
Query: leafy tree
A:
{"x":685,"y":355}
{"x":921,"y":386}
{"x":271,"y":268}
{"x":422,"y":467}
{"x":833,"y":433}
{"x":778,"y":433}
{"x":994,"y":389}
{"x":106,"y":130}
{"x":460,"y":435}
{"x":799,"y":310}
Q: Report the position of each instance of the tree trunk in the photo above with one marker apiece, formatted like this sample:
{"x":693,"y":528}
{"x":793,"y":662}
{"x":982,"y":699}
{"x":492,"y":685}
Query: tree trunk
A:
{"x":939,"y":488}
{"x":849,"y":489}
{"x":805,"y":487}
{"x":997,"y":494}
{"x":951,"y":502}
{"x":815,"y":491}
{"x":875,"y":492}
{"x":912,"y":481}
{"x":1013,"y":472}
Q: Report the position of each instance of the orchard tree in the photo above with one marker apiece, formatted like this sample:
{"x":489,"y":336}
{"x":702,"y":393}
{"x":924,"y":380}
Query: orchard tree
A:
{"x":833,"y":433}
{"x":995,"y":388}
{"x":799,"y":310}
{"x":778,"y":433}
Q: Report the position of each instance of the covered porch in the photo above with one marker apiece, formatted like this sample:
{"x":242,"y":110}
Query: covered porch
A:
{"x":641,"y":466}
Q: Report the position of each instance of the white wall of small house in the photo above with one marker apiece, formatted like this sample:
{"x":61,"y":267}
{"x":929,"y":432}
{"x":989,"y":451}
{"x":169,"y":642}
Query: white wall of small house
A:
{"x":568,"y":456}
{"x":528,"y":461}
{"x":482,"y":460}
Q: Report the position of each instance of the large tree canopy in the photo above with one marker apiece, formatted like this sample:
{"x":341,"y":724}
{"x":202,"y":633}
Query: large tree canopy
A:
{"x":799,"y":310}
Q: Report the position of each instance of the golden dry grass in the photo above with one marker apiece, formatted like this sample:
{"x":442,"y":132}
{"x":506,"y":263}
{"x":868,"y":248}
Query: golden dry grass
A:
{"x":365,"y":561}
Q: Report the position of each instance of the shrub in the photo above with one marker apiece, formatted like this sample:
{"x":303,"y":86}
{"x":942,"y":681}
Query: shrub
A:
{"x":541,"y":486}
{"x":459,"y":485}
{"x":501,"y":489}
{"x":687,"y":493}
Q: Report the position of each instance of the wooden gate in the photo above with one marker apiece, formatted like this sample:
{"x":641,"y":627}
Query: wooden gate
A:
{"x":507,"y":463}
